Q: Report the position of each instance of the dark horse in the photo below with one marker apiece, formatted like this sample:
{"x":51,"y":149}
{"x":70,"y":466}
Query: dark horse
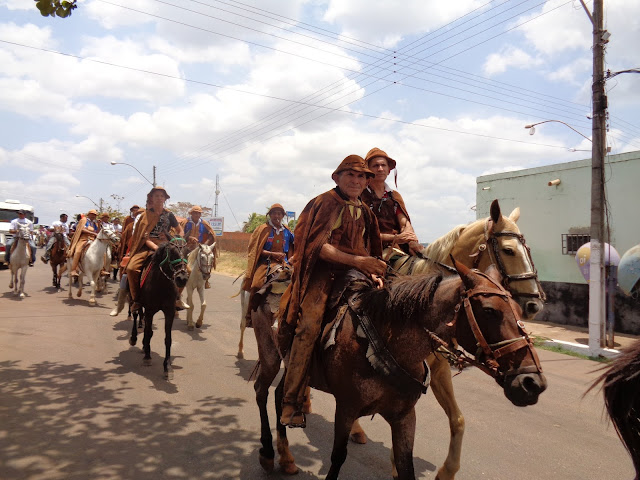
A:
{"x":58,"y":256}
{"x":159,"y":291}
{"x":385,"y":372}
{"x":621,"y":386}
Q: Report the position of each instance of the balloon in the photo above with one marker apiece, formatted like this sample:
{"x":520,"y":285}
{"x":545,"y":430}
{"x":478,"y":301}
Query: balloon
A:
{"x":583,"y":258}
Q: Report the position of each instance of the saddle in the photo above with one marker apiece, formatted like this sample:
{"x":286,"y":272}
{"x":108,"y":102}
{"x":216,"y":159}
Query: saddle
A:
{"x":277,"y":282}
{"x":14,"y":245}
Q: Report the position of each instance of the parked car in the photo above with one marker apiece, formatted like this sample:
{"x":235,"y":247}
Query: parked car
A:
{"x":3,"y":242}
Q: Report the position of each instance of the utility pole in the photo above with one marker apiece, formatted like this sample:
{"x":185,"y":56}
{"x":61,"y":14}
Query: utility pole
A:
{"x":215,"y":211}
{"x":597,"y":279}
{"x":101,"y":202}
{"x":154,"y":176}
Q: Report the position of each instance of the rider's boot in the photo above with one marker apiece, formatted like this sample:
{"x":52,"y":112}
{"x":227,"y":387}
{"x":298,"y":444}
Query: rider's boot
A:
{"x":44,"y":259}
{"x":180,"y":305}
{"x":122,"y":297}
{"x":207,"y":284}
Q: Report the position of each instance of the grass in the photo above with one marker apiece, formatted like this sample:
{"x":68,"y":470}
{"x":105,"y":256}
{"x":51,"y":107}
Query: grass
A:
{"x":539,"y":342}
{"x":231,"y":263}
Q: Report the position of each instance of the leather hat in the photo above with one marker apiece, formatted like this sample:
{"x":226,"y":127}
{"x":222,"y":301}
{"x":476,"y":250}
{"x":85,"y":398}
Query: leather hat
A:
{"x":105,"y":214}
{"x":376,"y":152}
{"x":276,"y":206}
{"x":135,"y":206}
{"x":196,"y":208}
{"x":355,"y":163}
{"x":154,"y":189}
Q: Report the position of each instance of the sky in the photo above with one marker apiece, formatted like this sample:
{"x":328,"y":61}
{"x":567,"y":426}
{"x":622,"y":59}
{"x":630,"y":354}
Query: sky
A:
{"x":271,"y":96}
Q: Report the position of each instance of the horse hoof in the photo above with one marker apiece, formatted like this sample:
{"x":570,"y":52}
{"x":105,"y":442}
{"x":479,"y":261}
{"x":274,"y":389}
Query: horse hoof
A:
{"x":146,"y":362}
{"x":358,"y":437}
{"x":168,"y":375}
{"x":114,"y":313}
{"x":92,"y":301}
{"x":190,"y":326}
{"x":289,"y":468}
{"x":22,"y":295}
{"x":133,"y":341}
{"x":79,"y":294}
{"x":199,"y":324}
{"x":266,"y":464}
{"x":240,"y":355}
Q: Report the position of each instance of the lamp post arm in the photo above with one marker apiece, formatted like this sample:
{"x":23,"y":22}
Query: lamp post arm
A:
{"x":558,"y":121}
{"x":128,"y":164}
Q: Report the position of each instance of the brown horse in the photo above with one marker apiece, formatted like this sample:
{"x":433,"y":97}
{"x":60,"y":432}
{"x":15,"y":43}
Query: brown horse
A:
{"x":415,"y":315}
{"x":58,"y":256}
{"x":621,"y":385}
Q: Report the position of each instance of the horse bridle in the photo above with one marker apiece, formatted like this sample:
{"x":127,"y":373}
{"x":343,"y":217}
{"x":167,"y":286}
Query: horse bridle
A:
{"x":491,"y":239}
{"x":206,"y":271}
{"x":180,"y":262}
{"x":491,"y":351}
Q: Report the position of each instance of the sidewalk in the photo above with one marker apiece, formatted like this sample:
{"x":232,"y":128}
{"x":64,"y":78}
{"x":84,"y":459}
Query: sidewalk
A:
{"x":575,"y":338}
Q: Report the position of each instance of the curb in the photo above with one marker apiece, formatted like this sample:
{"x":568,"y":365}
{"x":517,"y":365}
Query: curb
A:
{"x":581,"y":348}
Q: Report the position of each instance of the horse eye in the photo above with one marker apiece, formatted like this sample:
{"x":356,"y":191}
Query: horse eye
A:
{"x":490,"y":311}
{"x":509,"y":251}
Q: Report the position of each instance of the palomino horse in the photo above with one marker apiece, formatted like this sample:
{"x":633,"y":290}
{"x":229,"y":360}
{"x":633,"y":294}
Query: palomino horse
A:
{"x":92,"y":261}
{"x":20,"y":257}
{"x":201,"y":260}
{"x":373,"y":352}
{"x":166,"y":273}
{"x":58,"y":256}
{"x":621,"y":384}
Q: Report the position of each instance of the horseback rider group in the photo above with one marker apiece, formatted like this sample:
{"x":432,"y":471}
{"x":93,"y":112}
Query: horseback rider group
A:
{"x":344,"y":228}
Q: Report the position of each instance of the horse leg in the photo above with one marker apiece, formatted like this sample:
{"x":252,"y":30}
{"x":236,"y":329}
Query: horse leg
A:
{"x":11,"y":275}
{"x":243,"y":322}
{"x":203,"y":305}
{"x":133,"y":339}
{"x":286,"y":460}
{"x":403,"y":432}
{"x":169,"y":313}
{"x":146,"y":340}
{"x":23,"y":276}
{"x":69,"y":277}
{"x":191,"y":307}
{"x":357,"y":433}
{"x":93,"y":284}
{"x":442,"y":388}
{"x":341,"y":429}
{"x":80,"y":282}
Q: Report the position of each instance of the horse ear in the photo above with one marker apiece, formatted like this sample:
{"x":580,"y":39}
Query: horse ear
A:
{"x":495,"y":211}
{"x":464,"y":273}
{"x":515,"y":215}
{"x":493,"y":273}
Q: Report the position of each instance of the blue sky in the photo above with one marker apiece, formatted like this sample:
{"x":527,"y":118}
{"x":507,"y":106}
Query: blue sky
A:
{"x":271,"y":96}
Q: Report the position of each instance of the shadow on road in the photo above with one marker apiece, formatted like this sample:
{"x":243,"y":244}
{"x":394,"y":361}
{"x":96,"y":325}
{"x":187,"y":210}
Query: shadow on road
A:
{"x":55,"y":421}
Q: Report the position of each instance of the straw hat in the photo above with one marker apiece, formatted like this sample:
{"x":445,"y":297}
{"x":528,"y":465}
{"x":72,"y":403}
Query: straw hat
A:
{"x":104,"y":215}
{"x":376,"y":152}
{"x":92,"y":211}
{"x":355,"y":163}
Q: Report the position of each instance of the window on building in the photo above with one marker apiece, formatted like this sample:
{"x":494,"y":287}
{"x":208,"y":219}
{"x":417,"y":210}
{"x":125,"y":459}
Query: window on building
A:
{"x":571,"y":243}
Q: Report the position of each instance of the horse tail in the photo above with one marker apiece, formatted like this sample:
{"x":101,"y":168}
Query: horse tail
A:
{"x":621,"y":384}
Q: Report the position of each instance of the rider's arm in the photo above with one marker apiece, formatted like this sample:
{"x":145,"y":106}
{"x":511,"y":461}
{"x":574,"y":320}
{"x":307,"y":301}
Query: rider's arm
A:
{"x":368,"y":265}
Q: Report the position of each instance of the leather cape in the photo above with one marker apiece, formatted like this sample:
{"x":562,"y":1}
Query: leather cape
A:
{"x":148,"y":220}
{"x":395,"y":195}
{"x":209,"y":228}
{"x":312,"y":232}
{"x":125,"y":239}
{"x":254,"y":250}
{"x":76,"y":236}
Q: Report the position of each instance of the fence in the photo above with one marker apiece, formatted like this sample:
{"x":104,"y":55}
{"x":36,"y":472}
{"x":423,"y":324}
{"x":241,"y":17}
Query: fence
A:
{"x":234,"y":241}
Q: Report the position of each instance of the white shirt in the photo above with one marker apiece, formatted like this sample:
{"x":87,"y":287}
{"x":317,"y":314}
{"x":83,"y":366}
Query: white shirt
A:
{"x":24,"y":221}
{"x":63,"y":225}
{"x":278,"y":230}
{"x":117,"y":228}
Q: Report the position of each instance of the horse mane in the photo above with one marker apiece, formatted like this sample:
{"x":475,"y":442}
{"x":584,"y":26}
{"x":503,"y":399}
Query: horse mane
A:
{"x":161,"y":253}
{"x":401,"y":299}
{"x":439,"y":250}
{"x":621,"y":383}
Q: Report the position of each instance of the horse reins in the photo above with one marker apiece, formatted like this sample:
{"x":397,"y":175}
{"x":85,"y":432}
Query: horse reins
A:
{"x":492,"y":351}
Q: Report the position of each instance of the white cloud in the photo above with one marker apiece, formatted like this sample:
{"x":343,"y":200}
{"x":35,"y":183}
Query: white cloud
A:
{"x":510,"y":57}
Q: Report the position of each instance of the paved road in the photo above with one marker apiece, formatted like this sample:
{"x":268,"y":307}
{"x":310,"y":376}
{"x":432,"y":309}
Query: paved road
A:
{"x":76,"y":403}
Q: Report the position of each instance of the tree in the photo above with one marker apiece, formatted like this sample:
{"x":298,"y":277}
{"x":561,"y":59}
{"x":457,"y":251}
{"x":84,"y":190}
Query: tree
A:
{"x":254,"y":221}
{"x":181,"y":209}
{"x":56,"y":8}
{"x":292,"y":224}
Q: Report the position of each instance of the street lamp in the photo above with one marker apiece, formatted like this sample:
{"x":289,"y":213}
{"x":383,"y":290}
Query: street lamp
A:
{"x":97,"y":206}
{"x":532,"y":129}
{"x":153,"y":184}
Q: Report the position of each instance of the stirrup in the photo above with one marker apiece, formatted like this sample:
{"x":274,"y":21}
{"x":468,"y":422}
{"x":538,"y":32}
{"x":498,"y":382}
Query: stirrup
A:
{"x":296,"y":418}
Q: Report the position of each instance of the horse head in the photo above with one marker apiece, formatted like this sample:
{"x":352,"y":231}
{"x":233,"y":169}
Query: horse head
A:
{"x":107,"y":234}
{"x":497,"y":240}
{"x":24,"y":232}
{"x":171,"y":259}
{"x":494,"y":331}
{"x":206,"y":260}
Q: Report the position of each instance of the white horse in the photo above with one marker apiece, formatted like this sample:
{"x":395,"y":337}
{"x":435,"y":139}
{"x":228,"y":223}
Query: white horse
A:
{"x":244,"y":305}
{"x":20,"y":259}
{"x":201,"y":260}
{"x":92,"y":261}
